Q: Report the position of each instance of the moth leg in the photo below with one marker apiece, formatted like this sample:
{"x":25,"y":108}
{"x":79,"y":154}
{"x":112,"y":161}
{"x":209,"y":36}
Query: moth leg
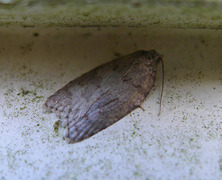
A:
{"x":141,"y":107}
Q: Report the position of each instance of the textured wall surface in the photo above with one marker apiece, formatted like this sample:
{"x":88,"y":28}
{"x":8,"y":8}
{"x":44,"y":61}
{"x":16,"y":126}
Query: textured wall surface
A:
{"x":199,"y":14}
{"x":184,"y":142}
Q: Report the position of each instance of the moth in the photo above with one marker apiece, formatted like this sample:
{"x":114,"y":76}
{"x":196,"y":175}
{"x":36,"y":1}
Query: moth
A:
{"x":104,"y":95}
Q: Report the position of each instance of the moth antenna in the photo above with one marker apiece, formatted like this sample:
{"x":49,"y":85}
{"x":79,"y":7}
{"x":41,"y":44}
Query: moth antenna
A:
{"x":161,"y":96}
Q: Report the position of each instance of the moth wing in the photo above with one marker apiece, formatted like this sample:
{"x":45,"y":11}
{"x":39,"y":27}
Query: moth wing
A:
{"x":77,"y":102}
{"x":95,"y":119}
{"x":72,"y":100}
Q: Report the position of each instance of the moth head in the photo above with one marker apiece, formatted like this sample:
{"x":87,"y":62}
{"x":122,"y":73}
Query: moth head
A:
{"x":150,"y":57}
{"x":153,"y":56}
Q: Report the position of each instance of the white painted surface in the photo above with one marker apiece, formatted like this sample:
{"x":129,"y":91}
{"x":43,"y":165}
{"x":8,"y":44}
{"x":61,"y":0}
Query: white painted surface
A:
{"x":184,"y":142}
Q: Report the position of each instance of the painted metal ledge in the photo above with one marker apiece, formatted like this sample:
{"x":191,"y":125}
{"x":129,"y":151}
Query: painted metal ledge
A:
{"x":171,"y":14}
